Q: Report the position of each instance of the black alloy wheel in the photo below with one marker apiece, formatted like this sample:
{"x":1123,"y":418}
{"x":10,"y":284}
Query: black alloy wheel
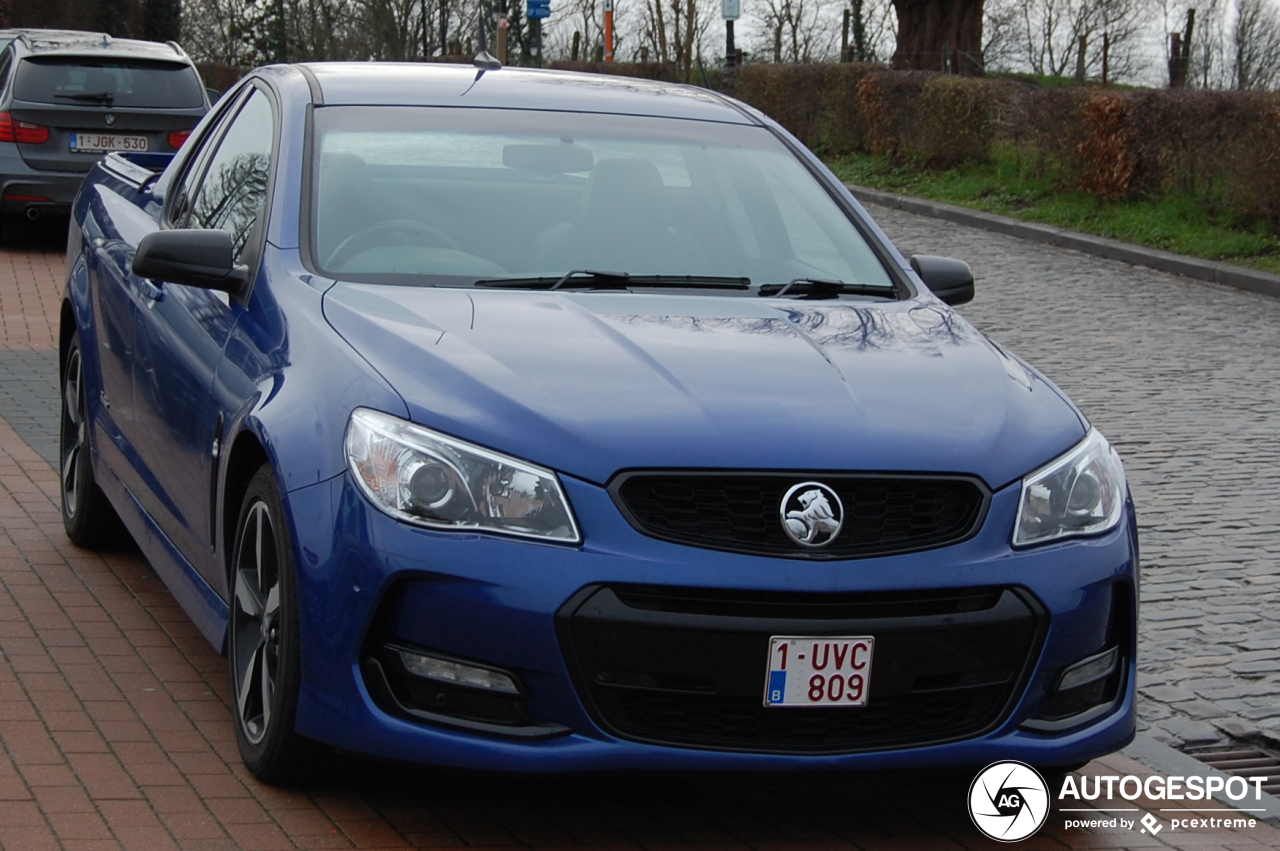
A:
{"x":264,"y":652}
{"x":87,"y":516}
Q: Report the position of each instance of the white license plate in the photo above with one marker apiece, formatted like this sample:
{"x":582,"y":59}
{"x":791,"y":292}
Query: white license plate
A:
{"x":820,"y":670}
{"x":100,"y":143}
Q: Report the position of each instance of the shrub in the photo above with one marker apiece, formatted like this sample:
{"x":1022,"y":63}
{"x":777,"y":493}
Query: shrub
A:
{"x":1108,"y":155}
{"x":819,"y":104}
{"x":931,"y":119}
{"x":1044,"y":127}
{"x":953,"y":122}
{"x":889,"y":101}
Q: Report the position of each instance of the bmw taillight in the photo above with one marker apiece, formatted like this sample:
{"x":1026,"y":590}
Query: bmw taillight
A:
{"x":22,"y":131}
{"x":178,"y":137}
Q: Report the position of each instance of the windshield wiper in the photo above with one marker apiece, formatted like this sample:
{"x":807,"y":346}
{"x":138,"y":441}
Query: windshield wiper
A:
{"x":598,"y":280}
{"x":815,"y":288}
{"x":95,"y":97}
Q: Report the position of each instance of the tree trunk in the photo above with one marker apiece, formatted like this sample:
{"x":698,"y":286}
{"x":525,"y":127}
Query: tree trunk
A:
{"x":939,"y":35}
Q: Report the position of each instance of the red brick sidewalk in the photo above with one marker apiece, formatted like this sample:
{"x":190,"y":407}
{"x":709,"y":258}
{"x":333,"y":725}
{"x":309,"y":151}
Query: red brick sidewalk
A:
{"x":116,"y":733}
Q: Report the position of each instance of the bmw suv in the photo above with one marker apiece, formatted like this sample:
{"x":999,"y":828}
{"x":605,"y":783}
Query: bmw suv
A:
{"x":67,"y":98}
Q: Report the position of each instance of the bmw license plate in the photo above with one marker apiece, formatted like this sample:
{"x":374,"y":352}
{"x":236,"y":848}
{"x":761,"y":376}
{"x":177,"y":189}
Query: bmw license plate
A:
{"x":100,"y":143}
{"x":819,"y":670}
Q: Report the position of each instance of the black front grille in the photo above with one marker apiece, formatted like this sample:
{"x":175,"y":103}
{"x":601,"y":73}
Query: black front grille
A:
{"x":713,"y":721}
{"x":739,"y":512}
{"x":807,"y":606}
{"x":687,"y":667}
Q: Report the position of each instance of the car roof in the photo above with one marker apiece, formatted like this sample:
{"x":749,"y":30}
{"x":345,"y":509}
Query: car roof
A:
{"x":98,"y":45}
{"x":437,"y":84}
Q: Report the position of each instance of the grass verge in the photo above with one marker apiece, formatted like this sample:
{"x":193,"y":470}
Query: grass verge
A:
{"x":1180,"y":223}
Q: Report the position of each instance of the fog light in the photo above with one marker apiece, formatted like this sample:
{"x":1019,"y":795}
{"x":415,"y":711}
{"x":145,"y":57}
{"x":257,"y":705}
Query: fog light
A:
{"x":457,"y":673}
{"x":1089,"y":670}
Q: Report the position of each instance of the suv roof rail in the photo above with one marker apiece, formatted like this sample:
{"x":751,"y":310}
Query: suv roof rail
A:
{"x":177,"y":48}
{"x":25,"y":39}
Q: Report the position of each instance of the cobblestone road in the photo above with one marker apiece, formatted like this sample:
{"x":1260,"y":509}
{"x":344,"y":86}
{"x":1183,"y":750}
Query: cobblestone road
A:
{"x":1184,"y":378}
{"x":114,"y":730}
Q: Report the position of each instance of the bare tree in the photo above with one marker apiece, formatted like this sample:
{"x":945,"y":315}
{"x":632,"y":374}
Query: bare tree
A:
{"x":674,"y":30}
{"x":1042,"y":36}
{"x":1001,"y":36}
{"x":797,"y":30}
{"x":1255,"y":45}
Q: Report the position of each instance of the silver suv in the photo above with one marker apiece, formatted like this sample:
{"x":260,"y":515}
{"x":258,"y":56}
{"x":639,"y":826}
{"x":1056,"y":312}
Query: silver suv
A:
{"x":67,"y":98}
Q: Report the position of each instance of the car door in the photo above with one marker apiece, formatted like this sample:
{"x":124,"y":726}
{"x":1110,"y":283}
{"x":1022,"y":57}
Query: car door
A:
{"x":181,"y":334}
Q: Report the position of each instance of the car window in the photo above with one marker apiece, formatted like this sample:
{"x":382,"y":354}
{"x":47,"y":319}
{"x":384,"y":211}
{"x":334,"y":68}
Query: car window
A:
{"x":114,"y":82}
{"x":233,"y":190}
{"x":422,"y":195}
{"x":197,"y":152}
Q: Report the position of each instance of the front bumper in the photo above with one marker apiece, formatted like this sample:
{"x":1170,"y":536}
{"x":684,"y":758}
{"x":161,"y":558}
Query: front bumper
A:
{"x":522,"y":608}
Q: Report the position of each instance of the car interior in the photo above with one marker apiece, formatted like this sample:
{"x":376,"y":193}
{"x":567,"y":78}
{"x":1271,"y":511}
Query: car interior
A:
{"x":546,"y":209}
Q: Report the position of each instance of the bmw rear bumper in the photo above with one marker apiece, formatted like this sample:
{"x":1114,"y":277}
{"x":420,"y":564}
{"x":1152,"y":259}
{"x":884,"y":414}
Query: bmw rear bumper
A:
{"x":683,"y":695}
{"x":24,"y":188}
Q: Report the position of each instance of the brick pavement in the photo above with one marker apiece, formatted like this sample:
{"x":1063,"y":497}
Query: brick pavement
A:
{"x":114,"y":729}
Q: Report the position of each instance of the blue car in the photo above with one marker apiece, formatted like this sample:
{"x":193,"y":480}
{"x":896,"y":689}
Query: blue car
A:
{"x":537,"y":421}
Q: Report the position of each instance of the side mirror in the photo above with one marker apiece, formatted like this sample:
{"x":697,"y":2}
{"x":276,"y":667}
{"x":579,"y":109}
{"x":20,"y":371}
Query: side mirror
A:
{"x":213,"y":94}
{"x":948,"y":279}
{"x":196,"y":258}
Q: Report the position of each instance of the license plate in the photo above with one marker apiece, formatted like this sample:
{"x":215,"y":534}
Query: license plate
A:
{"x":100,"y":143}
{"x":819,"y":670}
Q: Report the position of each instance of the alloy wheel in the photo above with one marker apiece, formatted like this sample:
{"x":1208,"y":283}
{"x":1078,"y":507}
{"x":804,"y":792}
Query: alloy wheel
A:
{"x":74,"y":434}
{"x":256,"y":622}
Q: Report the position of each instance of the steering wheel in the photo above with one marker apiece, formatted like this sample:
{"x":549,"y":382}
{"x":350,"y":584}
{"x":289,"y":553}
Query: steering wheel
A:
{"x":376,"y":234}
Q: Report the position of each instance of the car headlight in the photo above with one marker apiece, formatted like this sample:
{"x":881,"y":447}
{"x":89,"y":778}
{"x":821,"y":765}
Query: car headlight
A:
{"x":1080,"y":493}
{"x":423,"y":477}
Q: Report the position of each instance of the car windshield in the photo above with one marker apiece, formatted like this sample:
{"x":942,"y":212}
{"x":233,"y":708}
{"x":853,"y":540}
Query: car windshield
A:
{"x":439,"y":196}
{"x":108,"y":82}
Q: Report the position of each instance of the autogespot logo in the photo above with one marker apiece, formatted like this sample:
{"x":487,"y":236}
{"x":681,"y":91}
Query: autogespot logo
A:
{"x":1008,"y":801}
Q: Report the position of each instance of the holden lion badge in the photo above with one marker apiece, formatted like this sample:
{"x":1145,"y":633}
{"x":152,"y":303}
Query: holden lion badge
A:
{"x":812,"y":514}
{"x":1008,"y":801}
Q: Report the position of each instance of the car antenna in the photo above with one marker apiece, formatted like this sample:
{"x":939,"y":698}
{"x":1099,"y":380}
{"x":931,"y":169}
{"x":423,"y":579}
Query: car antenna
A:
{"x":484,"y":60}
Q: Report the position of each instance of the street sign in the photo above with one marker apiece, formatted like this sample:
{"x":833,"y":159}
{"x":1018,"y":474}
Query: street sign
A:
{"x":731,"y":10}
{"x":538,"y":9}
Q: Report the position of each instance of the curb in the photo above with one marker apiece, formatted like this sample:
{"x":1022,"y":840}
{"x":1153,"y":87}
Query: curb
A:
{"x":1165,"y":760}
{"x":1098,"y":246}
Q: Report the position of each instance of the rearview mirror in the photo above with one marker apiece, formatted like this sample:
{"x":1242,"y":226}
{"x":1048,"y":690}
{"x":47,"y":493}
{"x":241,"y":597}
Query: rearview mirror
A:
{"x":548,"y":159}
{"x":196,"y":258}
{"x":949,"y":279}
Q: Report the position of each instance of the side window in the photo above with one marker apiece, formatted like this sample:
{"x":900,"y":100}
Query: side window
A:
{"x":188,"y":180}
{"x":233,"y":190}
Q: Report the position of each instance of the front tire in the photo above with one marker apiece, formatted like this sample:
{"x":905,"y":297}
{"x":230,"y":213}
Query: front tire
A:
{"x":87,"y":516}
{"x":264,"y":651}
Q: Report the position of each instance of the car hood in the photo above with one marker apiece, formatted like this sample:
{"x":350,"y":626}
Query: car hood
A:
{"x":593,"y":383}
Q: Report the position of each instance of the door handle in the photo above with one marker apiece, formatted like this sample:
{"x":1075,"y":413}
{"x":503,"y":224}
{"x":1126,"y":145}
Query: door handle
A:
{"x":152,"y":291}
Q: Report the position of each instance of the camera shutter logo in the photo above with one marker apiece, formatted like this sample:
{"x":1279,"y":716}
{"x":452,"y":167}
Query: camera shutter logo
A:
{"x":1008,"y":801}
{"x":811,"y":514}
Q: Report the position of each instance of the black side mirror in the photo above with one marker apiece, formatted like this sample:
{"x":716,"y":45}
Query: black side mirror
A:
{"x":948,"y":279}
{"x":196,"y":258}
